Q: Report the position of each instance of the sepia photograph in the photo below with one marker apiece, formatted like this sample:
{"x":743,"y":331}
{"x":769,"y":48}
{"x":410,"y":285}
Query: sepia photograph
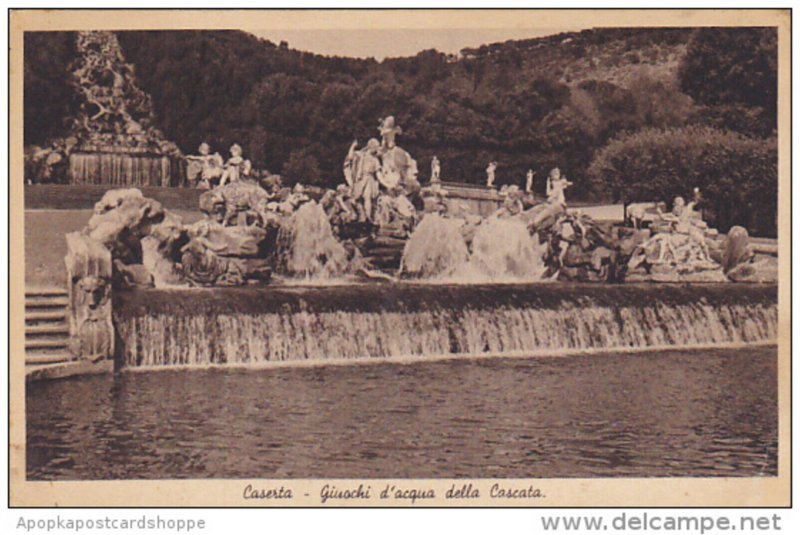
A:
{"x":400,"y":258}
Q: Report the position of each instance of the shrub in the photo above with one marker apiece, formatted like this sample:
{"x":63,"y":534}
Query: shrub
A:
{"x":738,"y":175}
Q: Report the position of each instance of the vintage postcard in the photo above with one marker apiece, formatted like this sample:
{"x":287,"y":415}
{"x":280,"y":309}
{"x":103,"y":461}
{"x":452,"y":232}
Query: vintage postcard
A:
{"x":510,"y":258}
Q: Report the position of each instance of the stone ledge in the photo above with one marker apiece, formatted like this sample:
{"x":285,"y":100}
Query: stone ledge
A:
{"x":67,"y":369}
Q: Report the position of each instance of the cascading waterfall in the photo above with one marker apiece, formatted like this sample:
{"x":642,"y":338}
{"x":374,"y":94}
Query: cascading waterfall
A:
{"x":248,"y":326}
{"x":123,"y":169}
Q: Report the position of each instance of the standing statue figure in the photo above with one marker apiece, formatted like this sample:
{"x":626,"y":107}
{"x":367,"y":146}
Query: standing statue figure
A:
{"x":556,"y":184}
{"x":380,"y":168}
{"x":388,"y":131}
{"x":366,"y":173}
{"x":236,"y":166}
{"x":205,"y":169}
{"x":436,"y":170}
{"x":529,"y":181}
{"x":490,"y":169}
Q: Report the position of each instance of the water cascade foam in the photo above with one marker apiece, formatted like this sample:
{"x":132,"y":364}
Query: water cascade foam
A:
{"x":251,"y":326}
{"x":436,"y":248}
{"x":306,"y":245}
{"x":501,"y":250}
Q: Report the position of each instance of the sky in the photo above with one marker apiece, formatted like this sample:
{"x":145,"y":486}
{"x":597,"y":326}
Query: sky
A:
{"x":383,"y":43}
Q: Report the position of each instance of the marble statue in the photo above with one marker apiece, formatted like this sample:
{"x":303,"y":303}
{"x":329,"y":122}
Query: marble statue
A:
{"x":436,"y":170}
{"x":680,"y":248}
{"x":366,"y":172}
{"x":556,"y":184}
{"x":529,"y":181}
{"x":490,"y":170}
{"x":380,"y":169}
{"x":206,"y":169}
{"x":340,"y":207}
{"x":512,"y":201}
{"x":236,"y":166}
{"x":388,"y":131}
{"x":89,"y":273}
{"x":394,"y":208}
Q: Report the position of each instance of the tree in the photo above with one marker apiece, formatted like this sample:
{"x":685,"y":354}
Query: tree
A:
{"x":738,"y":175}
{"x":303,"y":167}
{"x":49,"y":98}
{"x":729,"y":66}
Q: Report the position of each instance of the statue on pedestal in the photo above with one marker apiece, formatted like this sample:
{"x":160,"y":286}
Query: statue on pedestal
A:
{"x":529,"y":181}
{"x":490,"y":169}
{"x":436,"y":170}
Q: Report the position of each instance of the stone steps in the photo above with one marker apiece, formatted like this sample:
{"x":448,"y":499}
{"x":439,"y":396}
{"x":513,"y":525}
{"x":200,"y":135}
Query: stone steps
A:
{"x":48,"y":358}
{"x":386,"y":248}
{"x":46,"y":328}
{"x":52,"y":316}
{"x":50,"y":329}
{"x":45,"y":302}
{"x":43,"y":343}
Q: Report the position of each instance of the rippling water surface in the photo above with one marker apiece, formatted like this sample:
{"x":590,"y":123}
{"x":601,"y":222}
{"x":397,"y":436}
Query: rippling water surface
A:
{"x":674,"y":413}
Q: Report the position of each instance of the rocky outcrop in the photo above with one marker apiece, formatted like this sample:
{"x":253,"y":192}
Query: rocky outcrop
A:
{"x":112,"y":137}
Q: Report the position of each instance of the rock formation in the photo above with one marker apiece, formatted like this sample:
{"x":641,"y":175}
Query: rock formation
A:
{"x":112,"y":138}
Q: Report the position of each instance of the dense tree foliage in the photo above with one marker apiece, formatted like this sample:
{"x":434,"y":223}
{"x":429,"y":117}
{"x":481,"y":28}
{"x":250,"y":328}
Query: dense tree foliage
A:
{"x":537,"y":103}
{"x":737,"y":174}
{"x":48,"y":98}
{"x":734,"y":69}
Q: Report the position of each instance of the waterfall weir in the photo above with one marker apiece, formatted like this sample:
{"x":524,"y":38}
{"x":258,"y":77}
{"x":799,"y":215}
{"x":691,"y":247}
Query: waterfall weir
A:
{"x":258,"y":326}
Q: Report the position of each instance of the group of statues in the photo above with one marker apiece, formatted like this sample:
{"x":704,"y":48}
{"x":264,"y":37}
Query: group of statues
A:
{"x":678,"y":242}
{"x":556,"y":183}
{"x":380,"y":189}
{"x":378,"y":170}
{"x":372,"y":213}
{"x":207,"y":170}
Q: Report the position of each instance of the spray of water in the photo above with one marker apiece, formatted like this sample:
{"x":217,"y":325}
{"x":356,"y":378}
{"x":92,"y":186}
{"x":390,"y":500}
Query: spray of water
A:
{"x":502,"y":250}
{"x":306,"y":246}
{"x":435,"y":249}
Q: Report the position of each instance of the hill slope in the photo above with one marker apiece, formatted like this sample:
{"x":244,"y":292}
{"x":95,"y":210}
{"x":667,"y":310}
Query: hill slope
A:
{"x":533,"y":103}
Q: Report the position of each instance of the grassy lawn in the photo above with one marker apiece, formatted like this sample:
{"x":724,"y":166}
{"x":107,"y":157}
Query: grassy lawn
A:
{"x":62,"y":197}
{"x":45,"y":246}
